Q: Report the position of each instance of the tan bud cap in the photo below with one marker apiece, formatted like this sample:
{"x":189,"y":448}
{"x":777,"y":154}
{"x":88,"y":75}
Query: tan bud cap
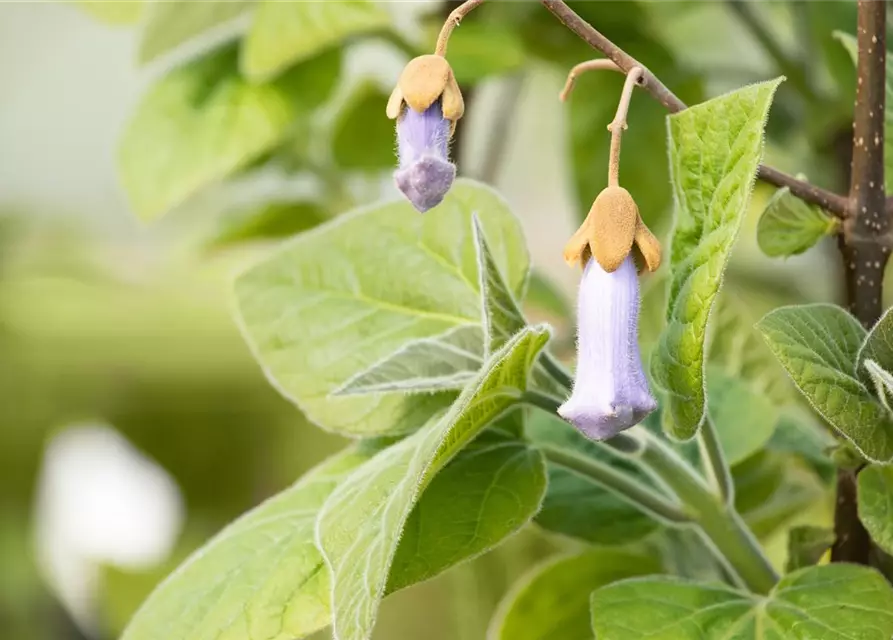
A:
{"x":577,"y":251}
{"x":613,"y":219}
{"x":424,"y":80}
{"x":647,"y":247}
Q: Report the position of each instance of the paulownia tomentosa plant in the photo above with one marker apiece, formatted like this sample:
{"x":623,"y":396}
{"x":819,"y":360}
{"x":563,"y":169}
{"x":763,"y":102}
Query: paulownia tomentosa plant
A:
{"x":400,"y":325}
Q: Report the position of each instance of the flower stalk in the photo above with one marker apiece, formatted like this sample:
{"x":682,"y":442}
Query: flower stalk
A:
{"x":452,"y":21}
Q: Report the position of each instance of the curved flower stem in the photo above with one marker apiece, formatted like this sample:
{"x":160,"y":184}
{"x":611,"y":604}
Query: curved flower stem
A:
{"x":583,"y":67}
{"x":717,"y":520}
{"x":451,"y":23}
{"x":715,"y":461}
{"x":618,"y":125}
{"x":634,"y":492}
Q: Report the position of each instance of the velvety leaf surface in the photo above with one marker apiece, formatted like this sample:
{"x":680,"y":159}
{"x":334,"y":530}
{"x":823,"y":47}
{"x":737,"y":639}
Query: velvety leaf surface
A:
{"x":818,"y":346}
{"x":361,"y":523}
{"x":831,"y":602}
{"x":715,"y":148}
{"x":878,"y":346}
{"x":789,"y":226}
{"x":260,"y":578}
{"x":483,"y":496}
{"x":445,"y":362}
{"x":339,"y":299}
{"x":876,"y":504}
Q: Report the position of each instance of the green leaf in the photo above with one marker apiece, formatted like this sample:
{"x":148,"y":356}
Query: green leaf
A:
{"x":194,"y":127}
{"x":850,"y":44}
{"x":261,"y":577}
{"x":580,"y":508}
{"x":483,"y":496}
{"x":744,"y":419}
{"x":284,"y":33}
{"x":818,"y":346}
{"x":715,"y":149}
{"x":114,"y":13}
{"x":170,"y":24}
{"x":878,"y":346}
{"x":502,"y":316}
{"x":361,"y":523}
{"x":551,"y":602}
{"x":363,"y":137}
{"x":339,"y":299}
{"x":479,"y":49}
{"x":789,"y":226}
{"x":807,"y":545}
{"x":269,"y":221}
{"x":876,"y":504}
{"x":445,"y":362}
{"x":832,"y":602}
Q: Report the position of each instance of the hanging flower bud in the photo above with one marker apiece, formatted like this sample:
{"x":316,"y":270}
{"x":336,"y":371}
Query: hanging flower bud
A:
{"x":612,"y":229}
{"x":426,"y":103}
{"x":610,"y":390}
{"x":425,"y":80}
{"x":425,"y":173}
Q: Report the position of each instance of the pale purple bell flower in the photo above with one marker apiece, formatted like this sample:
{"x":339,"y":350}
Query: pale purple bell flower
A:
{"x":425,"y":173}
{"x":610,"y":390}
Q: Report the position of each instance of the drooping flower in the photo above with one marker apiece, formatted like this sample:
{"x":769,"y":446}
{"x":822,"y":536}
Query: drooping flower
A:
{"x":610,"y":392}
{"x":427,"y":104}
{"x":425,"y":172}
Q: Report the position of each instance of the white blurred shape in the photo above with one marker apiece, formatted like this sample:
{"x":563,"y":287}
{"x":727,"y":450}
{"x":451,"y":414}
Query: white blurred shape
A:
{"x":100,"y":501}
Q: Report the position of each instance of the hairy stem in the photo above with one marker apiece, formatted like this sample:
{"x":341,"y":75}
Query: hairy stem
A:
{"x":715,"y":460}
{"x":451,"y":23}
{"x":618,"y":125}
{"x":637,"y":494}
{"x":807,"y":192}
{"x":862,"y":247}
{"x":717,"y":520}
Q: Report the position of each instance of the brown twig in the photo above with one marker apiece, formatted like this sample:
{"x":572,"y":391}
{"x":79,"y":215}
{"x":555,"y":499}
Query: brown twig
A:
{"x":451,"y":23}
{"x":865,"y":252}
{"x":807,"y":192}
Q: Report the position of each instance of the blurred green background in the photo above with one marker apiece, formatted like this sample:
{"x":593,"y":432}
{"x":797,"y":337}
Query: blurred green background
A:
{"x":110,"y":324}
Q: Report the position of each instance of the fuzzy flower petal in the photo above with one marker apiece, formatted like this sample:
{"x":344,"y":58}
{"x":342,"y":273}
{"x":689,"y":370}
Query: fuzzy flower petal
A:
{"x":425,"y":173}
{"x":610,"y":390}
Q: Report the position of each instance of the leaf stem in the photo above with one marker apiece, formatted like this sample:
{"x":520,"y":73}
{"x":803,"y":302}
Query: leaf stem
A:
{"x":634,"y":492}
{"x":728,"y":535}
{"x":715,"y":461}
{"x":807,"y":192}
{"x":451,"y":23}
